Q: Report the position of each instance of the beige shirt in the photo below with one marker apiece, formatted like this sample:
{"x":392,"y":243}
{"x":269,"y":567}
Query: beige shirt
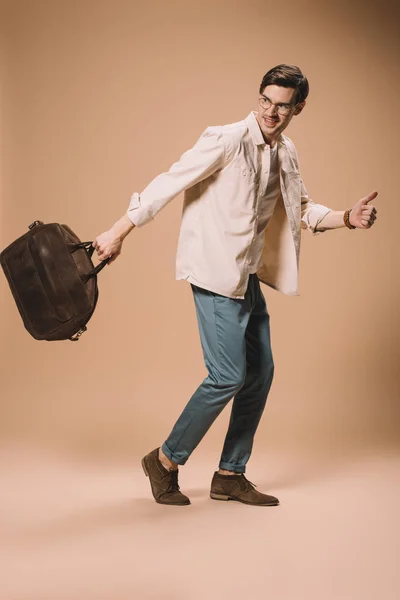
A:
{"x":225,"y":177}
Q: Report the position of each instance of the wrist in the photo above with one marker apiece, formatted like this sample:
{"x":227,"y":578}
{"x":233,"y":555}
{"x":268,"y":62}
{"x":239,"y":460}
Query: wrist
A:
{"x":346,"y":219}
{"x":122,"y":227}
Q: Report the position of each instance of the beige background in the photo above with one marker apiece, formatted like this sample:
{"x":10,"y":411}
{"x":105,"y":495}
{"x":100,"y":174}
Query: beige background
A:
{"x":97,"y":99}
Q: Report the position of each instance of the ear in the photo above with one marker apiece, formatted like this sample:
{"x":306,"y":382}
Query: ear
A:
{"x":299,"y":108}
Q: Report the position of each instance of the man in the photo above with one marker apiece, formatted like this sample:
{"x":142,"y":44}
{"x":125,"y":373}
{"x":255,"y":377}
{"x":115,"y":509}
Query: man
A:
{"x":244,"y":206}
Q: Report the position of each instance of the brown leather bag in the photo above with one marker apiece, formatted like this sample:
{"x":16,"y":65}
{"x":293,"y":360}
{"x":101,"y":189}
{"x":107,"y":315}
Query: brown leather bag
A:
{"x":53,"y":280}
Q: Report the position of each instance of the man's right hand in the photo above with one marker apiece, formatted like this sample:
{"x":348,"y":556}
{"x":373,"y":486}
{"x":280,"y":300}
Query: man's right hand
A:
{"x":109,"y":243}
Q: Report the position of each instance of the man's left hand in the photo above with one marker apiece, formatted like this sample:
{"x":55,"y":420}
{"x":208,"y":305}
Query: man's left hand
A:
{"x":363,"y":215}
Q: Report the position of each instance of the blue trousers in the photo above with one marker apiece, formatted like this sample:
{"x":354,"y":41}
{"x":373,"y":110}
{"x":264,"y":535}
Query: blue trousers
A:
{"x":235,"y":337}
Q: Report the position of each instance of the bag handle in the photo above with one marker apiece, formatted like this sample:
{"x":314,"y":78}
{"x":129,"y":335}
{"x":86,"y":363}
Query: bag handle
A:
{"x":90,"y":249}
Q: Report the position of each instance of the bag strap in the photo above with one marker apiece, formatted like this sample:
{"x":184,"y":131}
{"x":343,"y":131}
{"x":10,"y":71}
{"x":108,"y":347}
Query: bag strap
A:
{"x":90,"y":249}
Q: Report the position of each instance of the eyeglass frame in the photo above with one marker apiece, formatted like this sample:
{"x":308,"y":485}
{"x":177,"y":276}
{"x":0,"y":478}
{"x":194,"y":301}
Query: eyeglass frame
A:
{"x":289,"y":107}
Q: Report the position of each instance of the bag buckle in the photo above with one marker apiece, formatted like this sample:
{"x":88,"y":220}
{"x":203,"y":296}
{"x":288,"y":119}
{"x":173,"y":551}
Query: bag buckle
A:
{"x":77,"y":335}
{"x":35,"y":223}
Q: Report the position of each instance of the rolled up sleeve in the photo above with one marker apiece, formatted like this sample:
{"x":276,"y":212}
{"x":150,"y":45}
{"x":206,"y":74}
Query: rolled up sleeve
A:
{"x":205,"y":158}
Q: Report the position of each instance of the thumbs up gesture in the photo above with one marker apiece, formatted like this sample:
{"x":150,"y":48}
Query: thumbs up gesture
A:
{"x":363,"y":214}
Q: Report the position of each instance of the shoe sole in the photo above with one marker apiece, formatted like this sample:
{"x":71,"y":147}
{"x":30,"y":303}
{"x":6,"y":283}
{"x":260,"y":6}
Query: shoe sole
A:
{"x":224,"y":497}
{"x":159,"y":501}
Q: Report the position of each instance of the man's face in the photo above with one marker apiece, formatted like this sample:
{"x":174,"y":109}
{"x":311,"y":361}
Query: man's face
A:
{"x":271,"y":121}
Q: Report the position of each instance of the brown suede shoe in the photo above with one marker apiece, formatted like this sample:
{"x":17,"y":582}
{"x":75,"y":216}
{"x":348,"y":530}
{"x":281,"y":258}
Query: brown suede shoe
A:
{"x":164,"y":483}
{"x":237,"y":487}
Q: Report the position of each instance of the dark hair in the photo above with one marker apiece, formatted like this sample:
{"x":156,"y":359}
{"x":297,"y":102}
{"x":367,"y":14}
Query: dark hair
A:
{"x":287,"y":76}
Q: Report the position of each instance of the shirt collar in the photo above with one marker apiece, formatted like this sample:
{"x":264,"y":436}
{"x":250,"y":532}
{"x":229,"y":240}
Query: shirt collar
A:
{"x":255,"y":131}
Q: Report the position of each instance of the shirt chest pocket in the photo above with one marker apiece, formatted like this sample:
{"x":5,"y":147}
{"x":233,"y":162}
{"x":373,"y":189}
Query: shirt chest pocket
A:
{"x":241,"y":190}
{"x":292,"y":182}
{"x":245,"y":178}
{"x":244,"y":173}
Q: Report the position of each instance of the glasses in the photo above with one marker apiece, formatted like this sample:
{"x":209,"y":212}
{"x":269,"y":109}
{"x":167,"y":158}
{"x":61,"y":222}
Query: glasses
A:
{"x":282,"y":109}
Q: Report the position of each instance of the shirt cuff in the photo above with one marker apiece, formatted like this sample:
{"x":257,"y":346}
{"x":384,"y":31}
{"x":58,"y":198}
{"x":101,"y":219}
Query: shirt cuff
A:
{"x":136,"y":212}
{"x":313,"y":217}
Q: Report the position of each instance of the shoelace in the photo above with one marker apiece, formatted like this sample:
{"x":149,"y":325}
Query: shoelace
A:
{"x":173,"y":486}
{"x":247,"y":481}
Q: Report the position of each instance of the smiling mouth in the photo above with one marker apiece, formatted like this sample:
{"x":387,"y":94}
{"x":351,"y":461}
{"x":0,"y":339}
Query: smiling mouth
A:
{"x":270,"y":122}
